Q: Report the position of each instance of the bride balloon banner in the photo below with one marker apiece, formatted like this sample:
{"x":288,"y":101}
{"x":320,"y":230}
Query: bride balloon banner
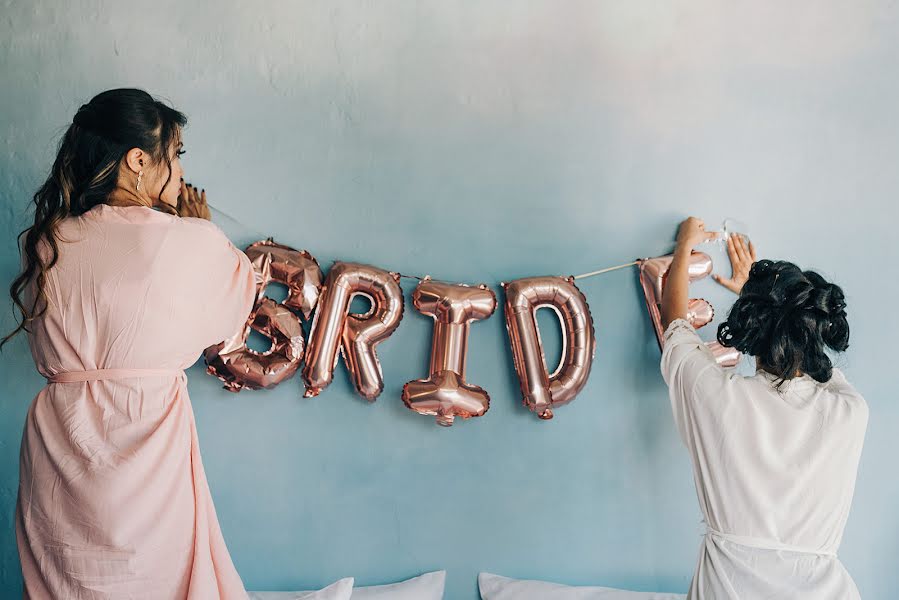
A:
{"x":444,"y":394}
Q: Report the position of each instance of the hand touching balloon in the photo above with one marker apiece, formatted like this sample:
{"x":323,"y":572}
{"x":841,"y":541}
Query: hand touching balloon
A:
{"x":691,"y":232}
{"x":742,"y":255}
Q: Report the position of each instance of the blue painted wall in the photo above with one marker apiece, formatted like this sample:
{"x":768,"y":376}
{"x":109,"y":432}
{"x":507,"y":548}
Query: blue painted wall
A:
{"x":483,"y":142}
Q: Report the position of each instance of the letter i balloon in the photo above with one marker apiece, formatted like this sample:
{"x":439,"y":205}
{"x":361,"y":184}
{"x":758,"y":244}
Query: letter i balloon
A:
{"x":445,"y":393}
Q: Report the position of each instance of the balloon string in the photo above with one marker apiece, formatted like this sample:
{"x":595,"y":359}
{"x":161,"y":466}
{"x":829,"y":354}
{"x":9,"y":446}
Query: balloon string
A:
{"x":233,"y":220}
{"x":257,"y":233}
{"x":581,"y":276}
{"x":592,"y":273}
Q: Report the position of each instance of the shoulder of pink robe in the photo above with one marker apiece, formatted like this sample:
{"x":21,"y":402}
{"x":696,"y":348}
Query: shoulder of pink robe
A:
{"x":219,"y":280}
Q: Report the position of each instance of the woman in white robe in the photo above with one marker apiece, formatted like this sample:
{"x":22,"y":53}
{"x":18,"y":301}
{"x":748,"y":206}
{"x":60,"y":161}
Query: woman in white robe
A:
{"x":774,"y":454}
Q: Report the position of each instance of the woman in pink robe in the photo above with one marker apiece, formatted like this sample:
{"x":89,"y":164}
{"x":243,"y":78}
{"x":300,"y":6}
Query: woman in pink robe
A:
{"x":113,"y":501}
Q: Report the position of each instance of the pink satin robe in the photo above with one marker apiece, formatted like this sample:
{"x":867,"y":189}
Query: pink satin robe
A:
{"x":113,"y":501}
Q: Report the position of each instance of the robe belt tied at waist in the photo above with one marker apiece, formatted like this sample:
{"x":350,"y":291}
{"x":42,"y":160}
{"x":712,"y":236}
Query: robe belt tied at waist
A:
{"x":765,"y":543}
{"x":116,"y":373}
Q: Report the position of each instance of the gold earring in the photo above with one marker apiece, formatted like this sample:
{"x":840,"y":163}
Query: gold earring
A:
{"x":139,"y":175}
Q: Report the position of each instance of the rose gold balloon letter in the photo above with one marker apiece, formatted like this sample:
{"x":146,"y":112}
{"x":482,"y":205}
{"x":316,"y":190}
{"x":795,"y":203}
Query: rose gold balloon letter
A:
{"x":654,"y":274}
{"x":540,"y":390}
{"x":445,"y":394}
{"x":233,"y":361}
{"x":355,"y":336}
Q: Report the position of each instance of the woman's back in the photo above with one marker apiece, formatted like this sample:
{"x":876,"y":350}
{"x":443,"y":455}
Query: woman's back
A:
{"x":774,"y":472}
{"x":113,"y":499}
{"x":131,"y":288}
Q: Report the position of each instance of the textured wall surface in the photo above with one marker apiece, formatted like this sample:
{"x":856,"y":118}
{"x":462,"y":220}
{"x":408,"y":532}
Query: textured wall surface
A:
{"x":485,"y":141}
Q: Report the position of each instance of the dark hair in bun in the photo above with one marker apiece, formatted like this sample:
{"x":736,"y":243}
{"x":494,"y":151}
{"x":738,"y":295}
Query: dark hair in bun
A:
{"x":786,"y":316}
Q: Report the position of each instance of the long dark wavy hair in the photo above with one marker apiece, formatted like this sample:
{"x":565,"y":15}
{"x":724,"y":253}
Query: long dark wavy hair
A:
{"x":86,"y":171}
{"x":786,"y":317}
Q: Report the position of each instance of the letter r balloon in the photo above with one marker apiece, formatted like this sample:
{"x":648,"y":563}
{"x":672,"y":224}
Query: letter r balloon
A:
{"x":335,"y":329}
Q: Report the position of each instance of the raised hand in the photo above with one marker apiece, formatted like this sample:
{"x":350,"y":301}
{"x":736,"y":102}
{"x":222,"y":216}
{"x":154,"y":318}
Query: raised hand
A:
{"x":691,"y":232}
{"x":742,"y":255}
{"x":192,"y":202}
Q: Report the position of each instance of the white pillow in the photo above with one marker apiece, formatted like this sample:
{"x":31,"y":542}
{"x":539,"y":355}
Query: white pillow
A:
{"x":495,"y":587}
{"x":341,"y":589}
{"x":424,"y":587}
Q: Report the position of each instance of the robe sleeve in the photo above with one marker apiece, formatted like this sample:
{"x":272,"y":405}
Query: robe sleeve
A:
{"x":855,"y":401}
{"x":225,"y":285}
{"x":840,"y":384}
{"x":693,"y":376}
